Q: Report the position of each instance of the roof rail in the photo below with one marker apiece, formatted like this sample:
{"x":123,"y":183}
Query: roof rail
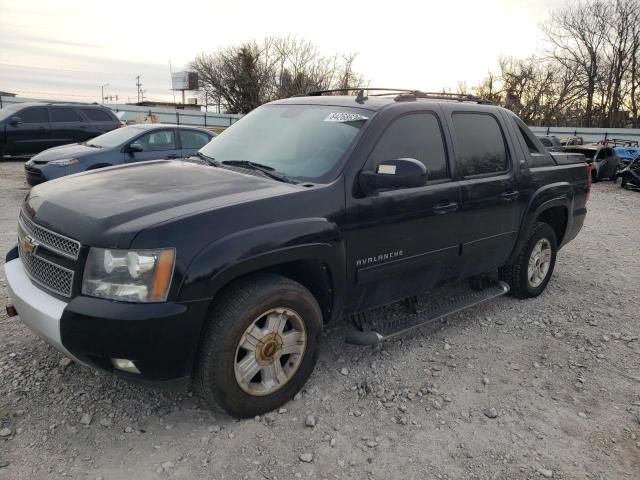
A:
{"x":402,"y":94}
{"x":460,"y":97}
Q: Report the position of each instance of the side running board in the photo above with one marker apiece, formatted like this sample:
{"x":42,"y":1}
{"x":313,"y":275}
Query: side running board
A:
{"x":394,"y":327}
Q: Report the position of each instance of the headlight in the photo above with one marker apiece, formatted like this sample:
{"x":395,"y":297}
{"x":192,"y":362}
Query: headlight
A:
{"x":127,"y":275}
{"x":64,"y":162}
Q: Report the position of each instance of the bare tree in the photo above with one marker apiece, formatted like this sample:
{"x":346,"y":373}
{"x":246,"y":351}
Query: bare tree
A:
{"x":577,"y":35}
{"x":250,"y":74}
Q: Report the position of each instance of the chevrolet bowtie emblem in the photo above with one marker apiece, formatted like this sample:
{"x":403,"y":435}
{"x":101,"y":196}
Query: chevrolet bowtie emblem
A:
{"x":28,"y":244}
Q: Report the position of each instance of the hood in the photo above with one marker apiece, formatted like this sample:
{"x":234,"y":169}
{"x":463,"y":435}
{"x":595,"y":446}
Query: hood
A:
{"x":75,"y":150}
{"x":108,"y":207}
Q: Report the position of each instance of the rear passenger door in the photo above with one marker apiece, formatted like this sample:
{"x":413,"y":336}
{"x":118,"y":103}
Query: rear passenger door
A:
{"x":67,"y":125}
{"x":192,"y":140}
{"x":402,"y":242}
{"x":156,"y":145}
{"x":490,"y":212}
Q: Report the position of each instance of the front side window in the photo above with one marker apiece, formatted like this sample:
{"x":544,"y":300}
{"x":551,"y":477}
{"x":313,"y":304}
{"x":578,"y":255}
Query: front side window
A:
{"x":158,"y":140}
{"x":416,"y":136}
{"x":193,"y":140}
{"x":480,"y":144}
{"x":301,"y":141}
{"x":33,"y":115}
{"x":62,"y":114}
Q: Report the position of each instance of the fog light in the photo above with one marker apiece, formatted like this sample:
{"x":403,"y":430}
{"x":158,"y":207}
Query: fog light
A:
{"x":125,"y":365}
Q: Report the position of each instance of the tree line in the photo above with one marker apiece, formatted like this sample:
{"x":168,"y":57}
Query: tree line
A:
{"x":587,"y":74}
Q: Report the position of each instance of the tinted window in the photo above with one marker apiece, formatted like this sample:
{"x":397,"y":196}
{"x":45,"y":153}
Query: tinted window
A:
{"x":33,"y":115}
{"x":417,"y":136}
{"x":546,"y":142}
{"x":158,"y":140}
{"x":481,"y":147}
{"x":97,"y":115}
{"x":61,"y":114}
{"x":529,"y":139}
{"x":193,"y":139}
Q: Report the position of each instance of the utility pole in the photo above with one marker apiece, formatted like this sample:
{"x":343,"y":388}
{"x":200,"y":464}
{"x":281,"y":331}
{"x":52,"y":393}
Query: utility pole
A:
{"x":138,"y":84}
{"x":102,"y":92}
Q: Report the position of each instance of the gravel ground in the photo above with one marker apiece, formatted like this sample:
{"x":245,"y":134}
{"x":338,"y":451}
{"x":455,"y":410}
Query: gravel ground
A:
{"x":544,"y":388}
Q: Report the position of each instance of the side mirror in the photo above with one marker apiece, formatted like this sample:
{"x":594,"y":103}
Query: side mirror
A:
{"x":394,"y":175}
{"x":15,"y":121}
{"x":135,"y":147}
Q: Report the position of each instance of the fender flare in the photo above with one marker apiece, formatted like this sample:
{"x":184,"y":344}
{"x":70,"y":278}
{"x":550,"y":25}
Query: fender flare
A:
{"x":538,"y":204}
{"x":231,"y":257}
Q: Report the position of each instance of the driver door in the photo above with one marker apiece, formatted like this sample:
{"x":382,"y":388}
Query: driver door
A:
{"x":403,"y":242}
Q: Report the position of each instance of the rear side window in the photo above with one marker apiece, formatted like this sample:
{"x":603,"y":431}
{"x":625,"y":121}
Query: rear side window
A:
{"x":193,"y":139}
{"x":97,"y":115}
{"x":481,"y":148}
{"x":62,"y":114}
{"x":33,"y":115}
{"x":416,"y":136}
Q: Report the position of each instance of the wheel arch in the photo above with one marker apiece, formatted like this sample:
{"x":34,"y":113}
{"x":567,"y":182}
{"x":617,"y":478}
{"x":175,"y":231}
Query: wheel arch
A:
{"x":552,"y":205}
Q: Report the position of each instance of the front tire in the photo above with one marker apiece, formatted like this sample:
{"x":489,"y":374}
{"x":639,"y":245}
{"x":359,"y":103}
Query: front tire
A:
{"x":261,"y":345}
{"x":531,"y":271}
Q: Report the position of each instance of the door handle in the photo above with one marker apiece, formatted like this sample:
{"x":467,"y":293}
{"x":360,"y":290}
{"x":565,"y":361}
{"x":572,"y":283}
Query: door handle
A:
{"x":84,"y":127}
{"x":510,"y":196}
{"x":172,"y":156}
{"x":444,"y":208}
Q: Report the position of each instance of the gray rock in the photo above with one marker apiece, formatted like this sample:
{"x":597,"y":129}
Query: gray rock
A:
{"x":5,"y":432}
{"x":490,"y":412}
{"x":310,"y":421}
{"x":106,"y":422}
{"x":485,"y":381}
{"x":86,"y":419}
{"x":65,"y":362}
{"x":168,"y":466}
{"x":545,"y":473}
{"x":344,"y":371}
{"x":306,"y":457}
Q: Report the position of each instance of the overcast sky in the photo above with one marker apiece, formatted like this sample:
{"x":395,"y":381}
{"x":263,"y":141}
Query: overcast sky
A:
{"x":66,"y":49}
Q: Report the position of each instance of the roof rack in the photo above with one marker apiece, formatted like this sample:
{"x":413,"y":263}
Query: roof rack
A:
{"x":402,"y":94}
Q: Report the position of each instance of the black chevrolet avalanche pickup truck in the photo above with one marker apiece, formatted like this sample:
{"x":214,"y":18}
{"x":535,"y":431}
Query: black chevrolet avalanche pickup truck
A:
{"x":223,"y":270}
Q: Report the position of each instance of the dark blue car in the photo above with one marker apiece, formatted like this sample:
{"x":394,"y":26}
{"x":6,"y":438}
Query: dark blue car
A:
{"x":135,"y":143}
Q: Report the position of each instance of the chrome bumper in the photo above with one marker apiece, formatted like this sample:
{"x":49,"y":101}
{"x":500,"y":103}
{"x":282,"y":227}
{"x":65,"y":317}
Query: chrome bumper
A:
{"x":37,"y":309}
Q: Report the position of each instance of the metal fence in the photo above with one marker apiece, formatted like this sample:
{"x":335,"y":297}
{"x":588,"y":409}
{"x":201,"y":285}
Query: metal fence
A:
{"x":589,"y":134}
{"x":220,"y":121}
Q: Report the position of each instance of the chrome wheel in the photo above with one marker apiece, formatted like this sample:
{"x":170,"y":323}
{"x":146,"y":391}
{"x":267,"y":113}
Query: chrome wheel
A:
{"x":539,"y":262}
{"x":270,"y":351}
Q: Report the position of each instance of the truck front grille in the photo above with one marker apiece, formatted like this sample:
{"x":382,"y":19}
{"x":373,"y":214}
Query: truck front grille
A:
{"x":53,"y":241}
{"x":33,"y":242}
{"x":47,"y":274}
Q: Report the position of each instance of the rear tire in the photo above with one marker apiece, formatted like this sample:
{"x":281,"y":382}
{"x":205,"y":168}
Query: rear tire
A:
{"x":531,"y":271}
{"x":243,"y":366}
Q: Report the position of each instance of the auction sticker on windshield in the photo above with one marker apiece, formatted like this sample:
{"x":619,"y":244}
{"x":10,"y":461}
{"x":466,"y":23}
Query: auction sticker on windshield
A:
{"x":344,"y":117}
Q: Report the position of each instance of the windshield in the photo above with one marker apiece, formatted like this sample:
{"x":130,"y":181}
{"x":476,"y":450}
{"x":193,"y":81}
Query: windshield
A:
{"x":115,"y":137}
{"x":301,"y":141}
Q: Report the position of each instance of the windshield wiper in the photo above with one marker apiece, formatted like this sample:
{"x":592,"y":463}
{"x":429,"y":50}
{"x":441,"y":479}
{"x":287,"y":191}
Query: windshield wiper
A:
{"x":208,"y":159}
{"x":265,"y":169}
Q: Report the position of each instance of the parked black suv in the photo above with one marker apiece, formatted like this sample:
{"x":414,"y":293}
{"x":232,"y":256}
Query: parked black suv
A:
{"x":307,"y":210}
{"x":29,"y":128}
